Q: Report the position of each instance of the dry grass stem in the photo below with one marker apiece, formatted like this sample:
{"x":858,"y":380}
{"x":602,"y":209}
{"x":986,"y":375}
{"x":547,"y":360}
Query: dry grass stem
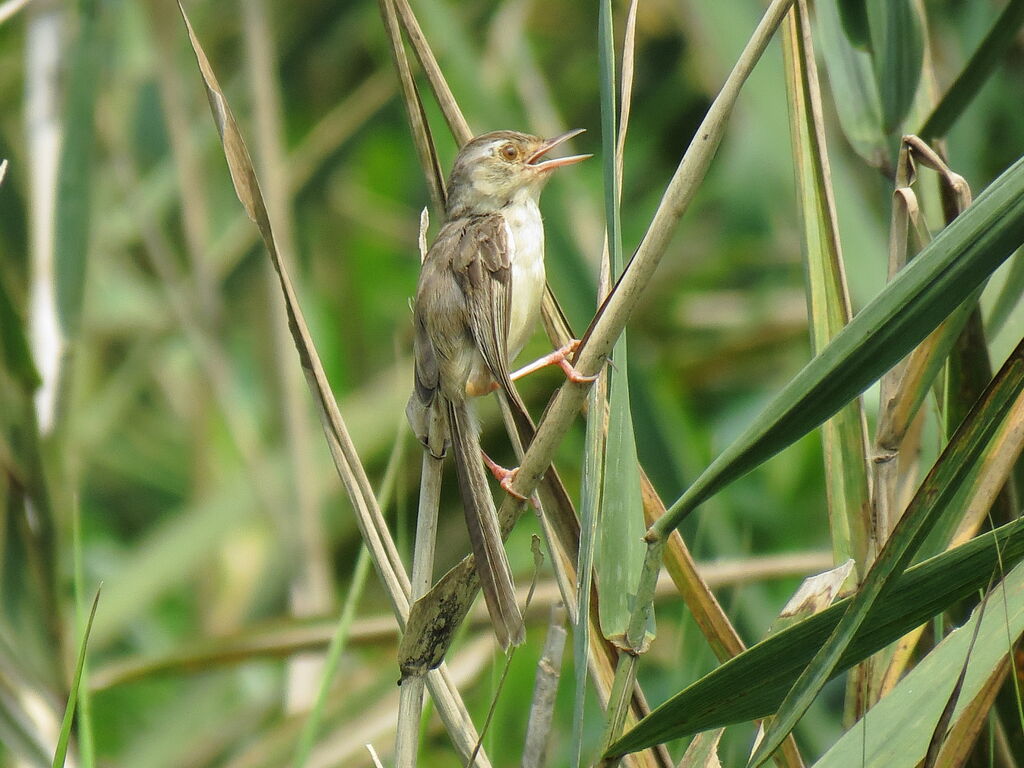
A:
{"x":545,"y":688}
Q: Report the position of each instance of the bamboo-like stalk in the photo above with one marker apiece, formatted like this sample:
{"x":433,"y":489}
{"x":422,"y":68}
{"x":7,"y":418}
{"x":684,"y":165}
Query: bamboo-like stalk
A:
{"x":414,"y":110}
{"x":411,"y":696}
{"x":545,"y":688}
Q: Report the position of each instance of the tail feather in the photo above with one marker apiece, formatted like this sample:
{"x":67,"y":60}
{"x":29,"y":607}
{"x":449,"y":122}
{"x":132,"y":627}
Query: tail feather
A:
{"x":484,"y":531}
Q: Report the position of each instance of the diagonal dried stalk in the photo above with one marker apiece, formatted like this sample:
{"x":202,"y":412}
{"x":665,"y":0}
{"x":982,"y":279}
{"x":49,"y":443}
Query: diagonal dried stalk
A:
{"x":368,"y":515}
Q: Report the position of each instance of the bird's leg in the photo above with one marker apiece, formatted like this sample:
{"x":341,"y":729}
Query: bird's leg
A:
{"x":505,"y":478}
{"x":559,"y":357}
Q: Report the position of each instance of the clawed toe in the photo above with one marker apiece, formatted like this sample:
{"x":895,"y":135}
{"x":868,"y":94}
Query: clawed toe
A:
{"x":505,"y":478}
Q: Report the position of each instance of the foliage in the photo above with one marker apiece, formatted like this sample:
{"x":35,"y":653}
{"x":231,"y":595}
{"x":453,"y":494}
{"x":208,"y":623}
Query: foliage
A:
{"x":180,"y":434}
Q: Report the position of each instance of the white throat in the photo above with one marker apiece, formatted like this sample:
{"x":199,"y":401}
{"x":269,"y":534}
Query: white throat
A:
{"x":526,"y":236}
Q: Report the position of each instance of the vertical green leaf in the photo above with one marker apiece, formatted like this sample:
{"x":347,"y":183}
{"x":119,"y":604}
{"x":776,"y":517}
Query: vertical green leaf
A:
{"x":75,"y":180}
{"x":854,"y":15}
{"x":843,"y":436}
{"x":620,"y":531}
{"x":61,"y":752}
{"x":897,"y":46}
{"x":857,"y":104}
{"x":989,"y":54}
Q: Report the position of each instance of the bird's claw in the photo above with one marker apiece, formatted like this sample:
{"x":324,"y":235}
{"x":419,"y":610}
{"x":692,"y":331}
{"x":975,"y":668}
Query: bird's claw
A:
{"x":559,"y":357}
{"x":505,"y":478}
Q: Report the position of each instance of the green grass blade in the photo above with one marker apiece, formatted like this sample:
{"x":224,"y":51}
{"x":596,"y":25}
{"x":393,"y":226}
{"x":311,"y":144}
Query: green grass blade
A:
{"x":897,"y":46}
{"x":620,"y":550}
{"x":897,"y":730}
{"x":87,"y":748}
{"x":60,"y":754}
{"x":844,"y":436}
{"x":849,"y":70}
{"x":854,"y":15}
{"x":74,"y":182}
{"x":14,"y":348}
{"x":913,"y":304}
{"x":334,"y":651}
{"x":727,"y":696}
{"x":930,"y":505}
{"x":1008,"y":299}
{"x":593,"y":473}
{"x":988,"y":55}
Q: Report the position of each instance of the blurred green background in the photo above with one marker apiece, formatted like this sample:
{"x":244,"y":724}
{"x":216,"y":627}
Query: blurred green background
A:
{"x":209,"y":506}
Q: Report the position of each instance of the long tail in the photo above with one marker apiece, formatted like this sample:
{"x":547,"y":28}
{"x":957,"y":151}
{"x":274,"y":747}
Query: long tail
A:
{"x":484,"y":531}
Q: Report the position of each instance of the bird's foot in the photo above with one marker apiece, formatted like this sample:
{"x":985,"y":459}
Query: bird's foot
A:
{"x":559,"y":357}
{"x":505,"y":478}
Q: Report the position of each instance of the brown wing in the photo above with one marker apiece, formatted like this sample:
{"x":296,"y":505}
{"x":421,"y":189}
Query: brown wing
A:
{"x":482,"y":268}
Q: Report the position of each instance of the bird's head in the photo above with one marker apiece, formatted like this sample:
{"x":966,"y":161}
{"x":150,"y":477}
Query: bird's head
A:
{"x":497,"y":168}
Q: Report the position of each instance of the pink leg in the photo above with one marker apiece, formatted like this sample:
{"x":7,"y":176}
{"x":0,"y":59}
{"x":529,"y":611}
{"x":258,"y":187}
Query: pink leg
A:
{"x":505,"y":478}
{"x":559,"y":357}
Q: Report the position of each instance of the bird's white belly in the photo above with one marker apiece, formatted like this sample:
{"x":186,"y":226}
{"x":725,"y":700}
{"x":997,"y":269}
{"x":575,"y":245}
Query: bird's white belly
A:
{"x":528,"y":280}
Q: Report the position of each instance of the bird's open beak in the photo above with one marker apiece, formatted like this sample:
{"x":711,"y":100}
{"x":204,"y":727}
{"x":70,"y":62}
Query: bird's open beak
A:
{"x":534,"y":160}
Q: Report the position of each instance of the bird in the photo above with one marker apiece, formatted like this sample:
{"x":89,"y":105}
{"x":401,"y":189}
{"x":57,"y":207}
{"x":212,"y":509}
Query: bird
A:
{"x":477,"y":303}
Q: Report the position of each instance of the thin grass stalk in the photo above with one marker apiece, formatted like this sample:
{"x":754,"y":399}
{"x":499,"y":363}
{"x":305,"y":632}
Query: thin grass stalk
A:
{"x":411,"y":695}
{"x":590,"y":504}
{"x":442,"y":92}
{"x":310,"y":590}
{"x":187,"y":164}
{"x":343,"y":628}
{"x":83,"y":624}
{"x":545,"y":689}
{"x":989,"y":54}
{"x":414,"y":110}
{"x":618,"y":501}
{"x":44,"y":59}
{"x":844,"y":437}
{"x":621,"y":526}
{"x":61,"y":751}
{"x":368,"y":515}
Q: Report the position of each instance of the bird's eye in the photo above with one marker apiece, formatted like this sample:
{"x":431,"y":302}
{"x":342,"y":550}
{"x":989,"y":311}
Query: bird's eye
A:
{"x":509,"y":152}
